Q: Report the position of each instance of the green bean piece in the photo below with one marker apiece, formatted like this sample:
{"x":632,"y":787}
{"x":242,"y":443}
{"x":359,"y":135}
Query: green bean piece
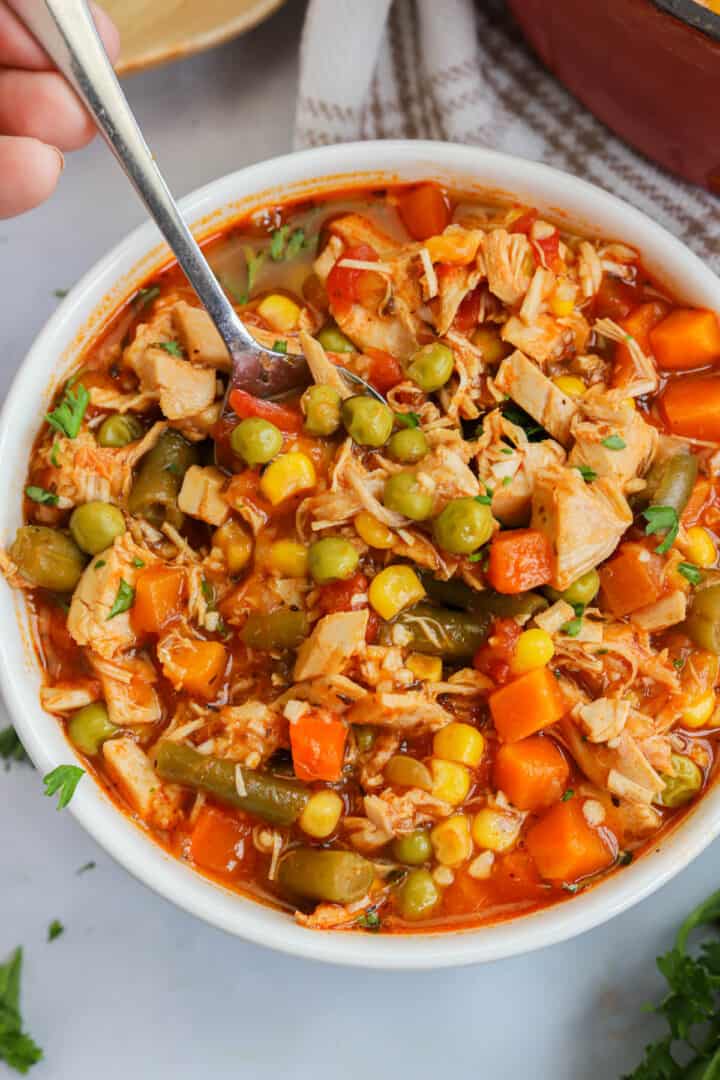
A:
{"x":414,"y":848}
{"x":322,"y":408}
{"x":670,"y":482}
{"x":457,"y":594}
{"x":95,"y":525}
{"x":408,"y":446}
{"x":332,"y":559}
{"x":119,"y":430}
{"x":365,"y":736}
{"x":702,"y":625}
{"x":257,"y":441}
{"x":333,"y":339}
{"x":273,"y":798}
{"x":431,"y":366}
{"x":338,"y":877}
{"x":159,"y":478}
{"x":684,"y":784}
{"x":436,"y":631}
{"x":463,"y":526}
{"x":47,"y":557}
{"x":90,"y":727}
{"x":404,"y":495}
{"x":281,"y":629}
{"x":582,"y":591}
{"x":418,"y":896}
{"x":368,"y":422}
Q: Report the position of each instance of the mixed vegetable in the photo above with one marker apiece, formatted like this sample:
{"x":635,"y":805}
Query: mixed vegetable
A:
{"x":430,"y":656}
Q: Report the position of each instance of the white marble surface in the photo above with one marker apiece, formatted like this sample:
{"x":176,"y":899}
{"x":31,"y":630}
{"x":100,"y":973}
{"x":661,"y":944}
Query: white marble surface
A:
{"x":137,"y":988}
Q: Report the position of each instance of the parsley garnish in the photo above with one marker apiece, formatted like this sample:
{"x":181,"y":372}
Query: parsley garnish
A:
{"x":518,"y":416}
{"x":286,"y":245}
{"x":280,"y":346}
{"x":55,"y":929}
{"x":678,"y":663}
{"x":64,"y":780}
{"x":171,"y":347}
{"x":568,"y":794}
{"x":691,"y":572}
{"x":123,"y":599}
{"x":572,"y":628}
{"x":571,"y":887}
{"x":60,"y":294}
{"x":587,"y":473}
{"x":295,"y":244}
{"x":68,"y":415}
{"x":143,"y":297}
{"x":208,"y":592}
{"x":11,"y":749}
{"x":407,"y":419}
{"x":17,"y":1049}
{"x":369,"y":920}
{"x":507,"y":481}
{"x":41,"y":495}
{"x":662,"y":519}
{"x":99,"y":564}
{"x":614,"y":442}
{"x":53,"y":456}
{"x":254,"y":262}
{"x":85,"y":867}
{"x":624,"y":858}
{"x":138,"y":563}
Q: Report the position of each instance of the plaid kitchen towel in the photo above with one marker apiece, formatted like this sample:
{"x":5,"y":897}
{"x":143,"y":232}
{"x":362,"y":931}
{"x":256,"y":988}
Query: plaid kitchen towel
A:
{"x":450,"y":69}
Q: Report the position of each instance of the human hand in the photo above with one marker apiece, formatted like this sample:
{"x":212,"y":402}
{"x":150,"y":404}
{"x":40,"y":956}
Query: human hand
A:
{"x":40,"y":116}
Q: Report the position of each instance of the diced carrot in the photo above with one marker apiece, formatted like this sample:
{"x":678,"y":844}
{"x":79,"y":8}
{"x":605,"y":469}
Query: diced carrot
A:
{"x":453,"y":249}
{"x":245,"y":405}
{"x":467,"y":895}
{"x":196,"y":666}
{"x":527,"y":705}
{"x":469,"y":311}
{"x":221,"y":842}
{"x":495,"y":655}
{"x":520,"y":559}
{"x":516,"y":876}
{"x":424,"y":210}
{"x":691,"y":406}
{"x":638,"y":323}
{"x":317,"y":741}
{"x":533,"y":773}
{"x":566,"y":847}
{"x":159,"y":593}
{"x":688,"y":338}
{"x":631,"y":580}
{"x":385,"y":371}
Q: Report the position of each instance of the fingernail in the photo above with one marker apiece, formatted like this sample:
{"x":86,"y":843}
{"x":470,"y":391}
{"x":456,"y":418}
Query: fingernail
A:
{"x":61,"y":156}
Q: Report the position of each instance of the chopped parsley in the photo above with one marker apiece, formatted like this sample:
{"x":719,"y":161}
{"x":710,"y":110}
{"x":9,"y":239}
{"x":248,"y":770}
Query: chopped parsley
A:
{"x":99,"y":564}
{"x":208,"y":592}
{"x":587,"y":473}
{"x":55,"y":929}
{"x":143,"y":297}
{"x":571,"y":887}
{"x":407,"y":419}
{"x":369,"y":920}
{"x":138,"y":563}
{"x":85,"y":867}
{"x":17,"y":1048}
{"x":280,"y":346}
{"x":123,"y":599}
{"x":11,"y":749}
{"x":614,"y":442}
{"x":690,"y":571}
{"x":254,"y":263}
{"x":624,"y":858}
{"x":678,"y":663}
{"x":60,"y":294}
{"x":534,"y":431}
{"x":53,"y":456}
{"x":41,"y":495}
{"x":507,"y":480}
{"x":171,"y":347}
{"x":285,"y":244}
{"x":63,"y":780}
{"x":68,"y":415}
{"x":662,"y":519}
{"x":568,"y":794}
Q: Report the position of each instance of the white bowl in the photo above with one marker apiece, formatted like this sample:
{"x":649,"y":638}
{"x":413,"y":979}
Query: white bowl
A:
{"x":79,"y":318}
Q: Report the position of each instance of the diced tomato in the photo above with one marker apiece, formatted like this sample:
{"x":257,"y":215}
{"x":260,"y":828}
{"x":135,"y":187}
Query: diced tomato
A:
{"x":469,"y":311}
{"x":494,"y":658}
{"x":547,"y":249}
{"x":221,"y":842}
{"x":615,"y":299}
{"x":425,"y":210}
{"x":245,"y":405}
{"x":345,"y":283}
{"x":340,"y":596}
{"x":525,"y":222}
{"x":385,"y":371}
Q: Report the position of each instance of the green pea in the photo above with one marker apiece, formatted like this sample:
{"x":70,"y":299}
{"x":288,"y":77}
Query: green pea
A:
{"x":321,"y":405}
{"x":684,"y":784}
{"x":364,"y":737}
{"x":119,"y":429}
{"x":333,"y":339}
{"x":418,"y":895}
{"x":95,"y":525}
{"x":431,"y":366}
{"x":404,"y":495}
{"x":90,"y":727}
{"x":257,"y":441}
{"x":48,"y":558}
{"x":367,"y":420}
{"x":413,"y":849}
{"x":408,"y":446}
{"x":332,"y":559}
{"x":463,"y":526}
{"x":582,"y":591}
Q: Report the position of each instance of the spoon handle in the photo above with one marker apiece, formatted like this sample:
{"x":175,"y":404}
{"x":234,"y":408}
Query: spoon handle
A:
{"x":66,"y":31}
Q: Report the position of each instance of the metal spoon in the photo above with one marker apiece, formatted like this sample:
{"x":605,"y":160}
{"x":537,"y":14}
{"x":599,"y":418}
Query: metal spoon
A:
{"x":66,"y":31}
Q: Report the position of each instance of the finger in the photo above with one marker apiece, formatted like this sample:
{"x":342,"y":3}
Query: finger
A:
{"x":19,"y":49}
{"x":29,"y":171}
{"x":42,"y":105}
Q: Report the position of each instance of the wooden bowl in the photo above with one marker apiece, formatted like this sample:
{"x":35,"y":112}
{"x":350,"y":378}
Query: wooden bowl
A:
{"x":157,"y":32}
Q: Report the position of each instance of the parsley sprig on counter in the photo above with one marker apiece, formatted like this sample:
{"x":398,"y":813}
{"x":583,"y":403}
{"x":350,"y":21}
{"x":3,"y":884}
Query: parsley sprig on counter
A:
{"x":17,"y":1048}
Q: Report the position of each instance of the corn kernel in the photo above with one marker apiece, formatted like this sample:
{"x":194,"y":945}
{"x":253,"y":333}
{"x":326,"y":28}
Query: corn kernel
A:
{"x":451,"y":840}
{"x":287,"y":475}
{"x":289,"y":558}
{"x":322,"y":813}
{"x":699,"y":547}
{"x":562,"y":300}
{"x":427,"y":668}
{"x":630,"y":402}
{"x":698,"y":712}
{"x":534,"y":649}
{"x":393,"y":589}
{"x":495,"y":830}
{"x":570,"y":385}
{"x":236,"y":544}
{"x":451,"y":781}
{"x":373,"y":532}
{"x":280,"y":312}
{"x":459,"y":742}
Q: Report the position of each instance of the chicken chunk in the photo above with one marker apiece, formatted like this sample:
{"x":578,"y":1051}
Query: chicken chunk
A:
{"x":201,"y":494}
{"x":544,"y":339}
{"x":668,"y":611}
{"x":410,"y":711}
{"x":183,"y":389}
{"x":252,"y":733}
{"x":69,"y":696}
{"x":508,"y":258}
{"x":335,"y":639}
{"x":128,"y":690}
{"x":583,"y":522}
{"x":369,"y":330}
{"x":605,"y":418}
{"x":157,"y":803}
{"x":523,"y":381}
{"x":199,"y":337}
{"x":87,"y":472}
{"x":103,"y":582}
{"x":454,"y":285}
{"x":355,"y":229}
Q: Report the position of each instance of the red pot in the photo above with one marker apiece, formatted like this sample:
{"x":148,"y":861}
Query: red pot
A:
{"x":650,"y":69}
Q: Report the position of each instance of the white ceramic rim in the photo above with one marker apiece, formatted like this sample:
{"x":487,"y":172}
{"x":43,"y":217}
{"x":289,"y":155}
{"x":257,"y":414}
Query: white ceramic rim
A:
{"x":80,"y":316}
